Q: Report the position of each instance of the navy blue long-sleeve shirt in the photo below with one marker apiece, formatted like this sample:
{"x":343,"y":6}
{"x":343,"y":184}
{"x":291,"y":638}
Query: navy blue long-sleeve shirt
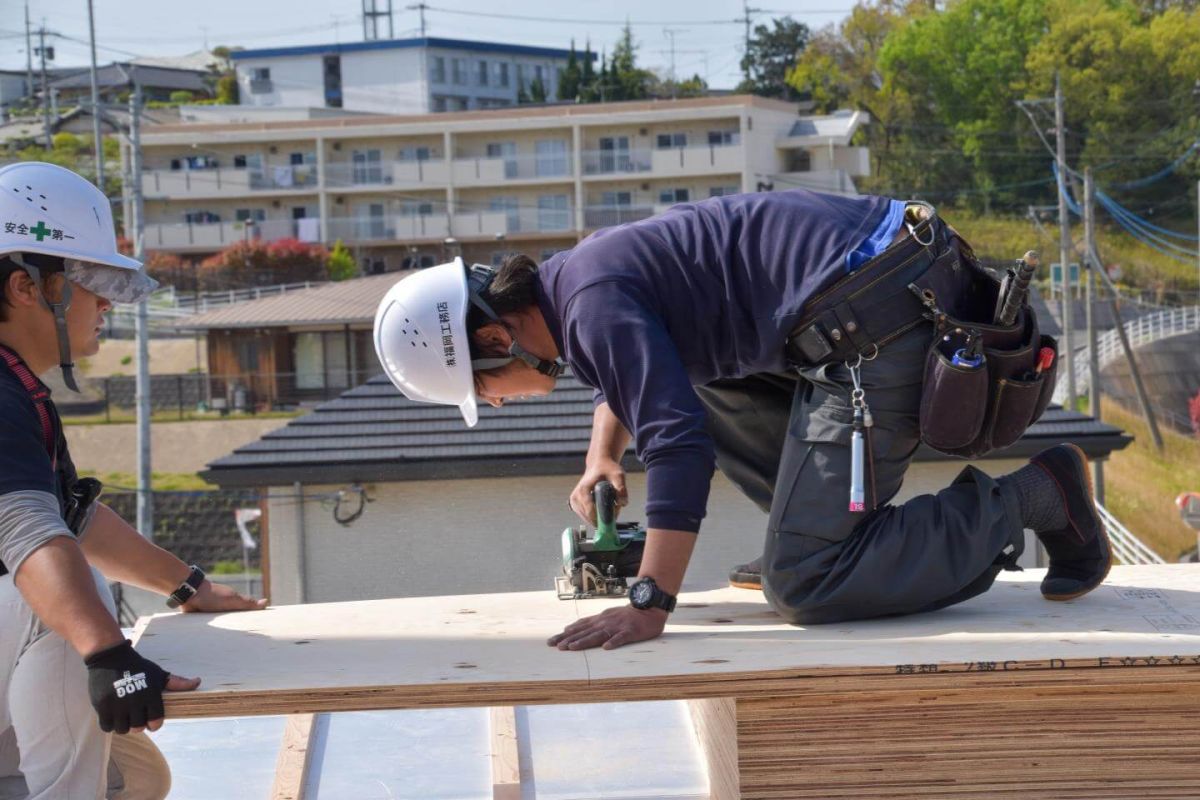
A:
{"x":645,"y":311}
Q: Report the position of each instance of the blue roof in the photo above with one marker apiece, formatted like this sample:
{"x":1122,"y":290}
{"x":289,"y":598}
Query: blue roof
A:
{"x":396,"y":44}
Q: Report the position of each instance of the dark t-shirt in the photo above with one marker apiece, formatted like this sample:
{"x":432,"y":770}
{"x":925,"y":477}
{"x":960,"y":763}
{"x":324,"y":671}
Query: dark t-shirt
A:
{"x":645,"y":311}
{"x":25,"y":463}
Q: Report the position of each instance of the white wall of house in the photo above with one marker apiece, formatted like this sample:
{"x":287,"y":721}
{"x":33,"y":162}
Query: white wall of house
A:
{"x":384,"y":81}
{"x":422,"y":538}
{"x":295,"y":81}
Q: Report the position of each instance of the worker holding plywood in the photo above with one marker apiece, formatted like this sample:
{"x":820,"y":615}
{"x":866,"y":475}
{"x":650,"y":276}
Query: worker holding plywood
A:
{"x":64,"y":663}
{"x":807,"y":344}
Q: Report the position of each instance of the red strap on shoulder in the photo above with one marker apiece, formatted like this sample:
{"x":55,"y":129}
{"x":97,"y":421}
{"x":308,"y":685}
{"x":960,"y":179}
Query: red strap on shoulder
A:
{"x":37,"y":393}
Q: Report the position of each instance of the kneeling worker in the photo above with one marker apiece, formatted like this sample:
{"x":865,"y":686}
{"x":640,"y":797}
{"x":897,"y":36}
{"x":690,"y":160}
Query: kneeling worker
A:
{"x":64,"y":663}
{"x":686,"y":325}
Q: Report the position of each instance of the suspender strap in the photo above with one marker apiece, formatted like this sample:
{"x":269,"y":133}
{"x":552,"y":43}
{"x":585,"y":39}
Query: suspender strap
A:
{"x":37,"y":393}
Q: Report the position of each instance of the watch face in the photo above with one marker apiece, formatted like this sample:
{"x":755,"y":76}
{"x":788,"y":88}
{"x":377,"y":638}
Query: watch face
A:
{"x":641,"y":594}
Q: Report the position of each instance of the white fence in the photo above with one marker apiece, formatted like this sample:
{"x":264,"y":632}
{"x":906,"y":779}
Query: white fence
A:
{"x":1126,"y":547}
{"x":1141,"y":331}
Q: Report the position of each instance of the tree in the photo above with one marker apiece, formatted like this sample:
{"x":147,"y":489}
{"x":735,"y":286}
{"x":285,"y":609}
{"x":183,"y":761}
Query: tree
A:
{"x":772,"y":54}
{"x":587,"y":75}
{"x":537,"y":91}
{"x":227,"y":90}
{"x":568,"y":84}
{"x":253,"y":262}
{"x":627,"y":81}
{"x":340,"y":264}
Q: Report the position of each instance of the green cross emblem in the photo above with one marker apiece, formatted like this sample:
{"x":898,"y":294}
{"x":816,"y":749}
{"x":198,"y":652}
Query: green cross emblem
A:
{"x":40,"y":230}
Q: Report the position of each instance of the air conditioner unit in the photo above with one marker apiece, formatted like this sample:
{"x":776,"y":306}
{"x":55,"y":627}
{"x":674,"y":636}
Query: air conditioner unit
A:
{"x":339,"y":200}
{"x":274,"y":204}
{"x":337,"y":146}
{"x":272,"y":149}
{"x":643,"y":131}
{"x":645,"y":187}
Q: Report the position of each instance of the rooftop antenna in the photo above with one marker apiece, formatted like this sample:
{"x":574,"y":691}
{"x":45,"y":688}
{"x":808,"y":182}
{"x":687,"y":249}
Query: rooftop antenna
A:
{"x":373,"y":11}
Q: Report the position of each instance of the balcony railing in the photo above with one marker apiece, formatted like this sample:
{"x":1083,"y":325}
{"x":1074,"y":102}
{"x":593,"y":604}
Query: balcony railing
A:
{"x":403,"y":227}
{"x":227,"y":180}
{"x":609,"y":162}
{"x":513,"y":221}
{"x":606,"y":216}
{"x":216,"y":235}
{"x":484,"y":170}
{"x":430,"y":173}
{"x":703,"y":159}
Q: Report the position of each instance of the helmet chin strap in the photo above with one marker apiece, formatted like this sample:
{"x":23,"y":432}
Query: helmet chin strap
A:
{"x":59,"y":310}
{"x":552,"y":369}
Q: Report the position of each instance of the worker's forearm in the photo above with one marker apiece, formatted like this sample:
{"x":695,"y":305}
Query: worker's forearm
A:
{"x":113,"y":546}
{"x":57,"y":584}
{"x":666,"y":557}
{"x":609,"y":437}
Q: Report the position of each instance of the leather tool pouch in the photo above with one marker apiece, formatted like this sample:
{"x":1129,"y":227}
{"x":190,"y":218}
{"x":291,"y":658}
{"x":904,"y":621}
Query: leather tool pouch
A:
{"x":968,"y":411}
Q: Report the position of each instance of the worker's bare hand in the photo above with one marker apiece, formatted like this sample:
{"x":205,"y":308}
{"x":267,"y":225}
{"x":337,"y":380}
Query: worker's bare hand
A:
{"x":581,"y":500}
{"x":211,"y":597}
{"x":611,"y":628}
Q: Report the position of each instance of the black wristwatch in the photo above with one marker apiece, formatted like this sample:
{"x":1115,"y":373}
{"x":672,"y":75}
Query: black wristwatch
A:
{"x":187,"y":590}
{"x":645,"y":594}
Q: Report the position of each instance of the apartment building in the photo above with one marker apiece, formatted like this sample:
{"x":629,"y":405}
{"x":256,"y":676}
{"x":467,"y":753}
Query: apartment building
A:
{"x":397,"y":76}
{"x":414,"y":191}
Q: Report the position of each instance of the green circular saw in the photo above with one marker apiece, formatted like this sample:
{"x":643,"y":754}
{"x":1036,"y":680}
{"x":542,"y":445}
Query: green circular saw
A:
{"x":597,"y":566}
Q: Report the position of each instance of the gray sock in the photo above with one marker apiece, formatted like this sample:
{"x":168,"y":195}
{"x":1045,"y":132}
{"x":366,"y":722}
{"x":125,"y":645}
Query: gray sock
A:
{"x":1042,"y":506}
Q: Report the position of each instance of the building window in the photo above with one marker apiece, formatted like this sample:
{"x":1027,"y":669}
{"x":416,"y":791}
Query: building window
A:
{"x":669,"y":196}
{"x":551,"y":157}
{"x":614,"y":154}
{"x":511,"y":207}
{"x":458,"y":68}
{"x":296,"y":159}
{"x":483,"y":73}
{"x":502,"y":74}
{"x":723,"y":191}
{"x":260,"y":80}
{"x":799,"y":161}
{"x":367,"y":166}
{"x":439,"y":103}
{"x":201,"y":217}
{"x":722,"y":138}
{"x":333,"y":81}
{"x":492,"y":102}
{"x":416,"y":208}
{"x":239,"y":162}
{"x":437,"y":69}
{"x":250,"y":215}
{"x":614,"y":199}
{"x":668,"y":140}
{"x":508,"y":152}
{"x":414,"y":154}
{"x":521,"y":72}
{"x":553,"y":213}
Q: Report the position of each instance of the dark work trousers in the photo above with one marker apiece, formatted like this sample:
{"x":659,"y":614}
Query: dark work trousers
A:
{"x":784,"y":440}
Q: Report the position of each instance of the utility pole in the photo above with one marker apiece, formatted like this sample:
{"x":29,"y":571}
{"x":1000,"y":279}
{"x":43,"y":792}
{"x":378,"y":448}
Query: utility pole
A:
{"x":28,"y":55}
{"x":145,"y":499}
{"x":97,"y":141}
{"x":670,"y":34}
{"x":1089,"y":232}
{"x":45,"y":88}
{"x":1064,"y":235}
{"x":419,"y":7}
{"x":747,"y":19}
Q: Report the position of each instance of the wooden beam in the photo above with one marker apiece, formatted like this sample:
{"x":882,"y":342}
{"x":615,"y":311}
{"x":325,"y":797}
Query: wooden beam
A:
{"x":506,"y":754}
{"x":715,"y":720}
{"x":291,"y":768}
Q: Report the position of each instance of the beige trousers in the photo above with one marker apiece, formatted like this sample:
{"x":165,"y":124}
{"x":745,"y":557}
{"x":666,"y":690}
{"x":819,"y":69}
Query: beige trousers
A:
{"x":51,"y":746}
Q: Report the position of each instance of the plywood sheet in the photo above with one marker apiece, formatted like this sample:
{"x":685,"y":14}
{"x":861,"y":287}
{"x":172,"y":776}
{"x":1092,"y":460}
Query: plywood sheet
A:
{"x":488,"y":649}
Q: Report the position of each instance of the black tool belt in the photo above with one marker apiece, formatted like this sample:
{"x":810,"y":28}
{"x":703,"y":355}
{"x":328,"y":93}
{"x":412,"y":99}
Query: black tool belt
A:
{"x":873,"y":305}
{"x":969,"y":405}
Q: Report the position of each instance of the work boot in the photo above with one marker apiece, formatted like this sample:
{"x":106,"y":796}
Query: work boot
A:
{"x":1073,"y":533}
{"x":747,"y":576}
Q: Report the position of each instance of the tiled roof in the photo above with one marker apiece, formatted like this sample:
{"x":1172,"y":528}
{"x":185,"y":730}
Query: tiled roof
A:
{"x":124,"y":74}
{"x":342,"y":303}
{"x":373,"y":433}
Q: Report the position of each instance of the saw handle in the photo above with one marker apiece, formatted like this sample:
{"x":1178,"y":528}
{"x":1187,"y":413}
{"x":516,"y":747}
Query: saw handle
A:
{"x":604,"y":494}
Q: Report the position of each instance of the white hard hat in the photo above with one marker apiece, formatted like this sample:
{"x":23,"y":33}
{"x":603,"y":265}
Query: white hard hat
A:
{"x":47,"y":209}
{"x":421,"y":338}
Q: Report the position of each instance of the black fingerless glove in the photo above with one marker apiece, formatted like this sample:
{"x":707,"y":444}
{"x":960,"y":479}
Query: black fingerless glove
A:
{"x":126,"y":689}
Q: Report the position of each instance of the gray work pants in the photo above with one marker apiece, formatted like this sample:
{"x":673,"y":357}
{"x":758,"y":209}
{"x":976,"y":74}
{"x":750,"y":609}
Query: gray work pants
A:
{"x":784,"y":440}
{"x":51,"y":745}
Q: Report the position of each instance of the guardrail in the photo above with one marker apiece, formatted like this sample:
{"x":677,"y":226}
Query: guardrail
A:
{"x":1126,"y":547}
{"x":193,"y":303}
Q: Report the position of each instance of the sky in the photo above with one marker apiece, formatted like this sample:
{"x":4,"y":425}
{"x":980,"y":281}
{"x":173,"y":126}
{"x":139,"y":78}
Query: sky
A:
{"x":707,"y":41}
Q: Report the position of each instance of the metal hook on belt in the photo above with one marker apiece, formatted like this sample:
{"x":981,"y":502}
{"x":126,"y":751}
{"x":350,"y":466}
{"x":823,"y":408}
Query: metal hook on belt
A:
{"x":912,"y":230}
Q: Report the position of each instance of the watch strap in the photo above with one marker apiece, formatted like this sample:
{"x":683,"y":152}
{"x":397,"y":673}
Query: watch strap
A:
{"x":187,"y":590}
{"x":659,"y":598}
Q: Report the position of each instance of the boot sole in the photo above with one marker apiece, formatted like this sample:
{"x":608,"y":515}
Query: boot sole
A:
{"x":757,"y":587}
{"x":1087,"y":475}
